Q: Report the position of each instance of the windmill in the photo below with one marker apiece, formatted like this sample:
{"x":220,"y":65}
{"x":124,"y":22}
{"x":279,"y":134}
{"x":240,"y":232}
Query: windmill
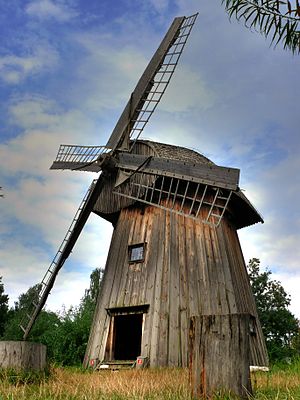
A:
{"x":174,"y":251}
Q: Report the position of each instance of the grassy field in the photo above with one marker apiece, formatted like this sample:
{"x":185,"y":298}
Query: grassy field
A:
{"x":281,"y":383}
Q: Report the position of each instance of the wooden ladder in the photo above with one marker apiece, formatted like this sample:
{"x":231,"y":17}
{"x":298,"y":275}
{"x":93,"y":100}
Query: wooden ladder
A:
{"x":48,"y":280}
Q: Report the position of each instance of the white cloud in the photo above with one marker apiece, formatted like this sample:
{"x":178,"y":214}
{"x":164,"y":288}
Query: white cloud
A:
{"x":160,"y":5}
{"x":15,"y":68}
{"x":45,"y":9}
{"x":291,"y":284}
{"x":108,"y":72}
{"x":187,"y":91}
{"x":44,"y":126}
{"x":20,"y":267}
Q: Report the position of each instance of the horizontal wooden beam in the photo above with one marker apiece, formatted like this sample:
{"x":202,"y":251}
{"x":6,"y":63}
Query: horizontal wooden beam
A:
{"x":80,"y":166}
{"x":208,"y":174}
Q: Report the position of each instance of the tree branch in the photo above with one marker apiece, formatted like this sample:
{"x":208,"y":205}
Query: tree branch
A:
{"x":268,"y":17}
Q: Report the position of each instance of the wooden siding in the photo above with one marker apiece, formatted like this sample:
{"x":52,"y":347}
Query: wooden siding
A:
{"x":189,"y":269}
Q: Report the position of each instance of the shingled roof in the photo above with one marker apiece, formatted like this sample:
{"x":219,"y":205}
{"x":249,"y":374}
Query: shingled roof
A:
{"x":172,"y":152}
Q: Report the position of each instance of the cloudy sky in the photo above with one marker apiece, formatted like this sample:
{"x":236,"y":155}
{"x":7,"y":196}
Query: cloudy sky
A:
{"x":67,"y":68}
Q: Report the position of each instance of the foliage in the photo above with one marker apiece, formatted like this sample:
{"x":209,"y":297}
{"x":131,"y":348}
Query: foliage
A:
{"x":70,"y":338}
{"x":73,"y":332}
{"x":3,"y":307}
{"x":66,"y":334}
{"x":88,"y":302}
{"x":277,"y":19}
{"x":279,"y":325}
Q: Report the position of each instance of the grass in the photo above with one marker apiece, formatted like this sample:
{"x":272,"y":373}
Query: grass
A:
{"x":281,"y":383}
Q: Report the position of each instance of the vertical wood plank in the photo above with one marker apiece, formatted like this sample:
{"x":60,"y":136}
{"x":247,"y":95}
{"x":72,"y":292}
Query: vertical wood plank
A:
{"x":219,"y":356}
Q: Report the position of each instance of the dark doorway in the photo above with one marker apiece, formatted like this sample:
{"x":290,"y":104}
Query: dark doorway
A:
{"x":128,"y":336}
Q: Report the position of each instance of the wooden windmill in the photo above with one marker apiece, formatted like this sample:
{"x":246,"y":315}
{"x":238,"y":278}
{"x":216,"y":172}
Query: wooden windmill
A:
{"x":175,"y":252}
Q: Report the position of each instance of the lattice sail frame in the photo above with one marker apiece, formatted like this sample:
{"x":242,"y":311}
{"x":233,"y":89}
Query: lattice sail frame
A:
{"x":83,"y":157}
{"x":161,"y":79}
{"x":79,"y":157}
{"x":180,"y":196}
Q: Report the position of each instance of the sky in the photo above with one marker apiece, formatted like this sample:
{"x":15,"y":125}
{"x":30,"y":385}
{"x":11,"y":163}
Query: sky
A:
{"x":67,"y":68}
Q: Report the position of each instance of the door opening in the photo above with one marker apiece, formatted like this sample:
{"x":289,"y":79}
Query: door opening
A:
{"x":127,"y":336}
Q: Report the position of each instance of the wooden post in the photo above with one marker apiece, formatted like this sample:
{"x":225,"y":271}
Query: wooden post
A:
{"x":22,"y":355}
{"x":219,"y":355}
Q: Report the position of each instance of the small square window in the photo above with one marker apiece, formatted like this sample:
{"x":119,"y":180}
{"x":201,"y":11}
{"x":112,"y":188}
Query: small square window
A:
{"x":136,"y":252}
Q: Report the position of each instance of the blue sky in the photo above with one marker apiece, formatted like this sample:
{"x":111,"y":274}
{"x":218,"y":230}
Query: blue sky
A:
{"x":67,"y":68}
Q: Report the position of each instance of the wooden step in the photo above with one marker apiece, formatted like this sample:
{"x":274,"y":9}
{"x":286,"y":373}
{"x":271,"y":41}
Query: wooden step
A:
{"x":116,"y":365}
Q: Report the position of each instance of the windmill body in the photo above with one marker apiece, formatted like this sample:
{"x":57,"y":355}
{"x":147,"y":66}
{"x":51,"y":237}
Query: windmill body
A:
{"x":163,"y":268}
{"x":174,"y":252}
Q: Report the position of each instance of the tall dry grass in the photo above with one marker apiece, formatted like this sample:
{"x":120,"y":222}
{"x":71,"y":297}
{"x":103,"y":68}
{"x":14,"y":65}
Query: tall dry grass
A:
{"x":70,"y":384}
{"x":65,"y":384}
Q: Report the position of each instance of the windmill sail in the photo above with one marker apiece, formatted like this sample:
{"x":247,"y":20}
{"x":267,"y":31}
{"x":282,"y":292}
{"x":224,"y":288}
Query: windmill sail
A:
{"x":152,"y":84}
{"x":81,"y":216}
{"x":83,"y":158}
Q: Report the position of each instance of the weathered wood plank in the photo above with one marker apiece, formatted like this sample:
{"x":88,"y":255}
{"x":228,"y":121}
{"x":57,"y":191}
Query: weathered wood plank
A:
{"x":22,"y":355}
{"x":159,"y":231}
{"x":219,"y":355}
{"x":164,"y":301}
{"x":174,"y":303}
{"x":154,"y":240}
{"x":184,"y":294}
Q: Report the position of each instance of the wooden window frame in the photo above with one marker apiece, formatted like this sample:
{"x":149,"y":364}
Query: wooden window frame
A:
{"x":135,"y":246}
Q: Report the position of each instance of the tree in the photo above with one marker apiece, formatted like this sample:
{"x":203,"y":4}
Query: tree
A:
{"x":3,"y":307}
{"x":88,"y":302}
{"x":43,"y":328}
{"x":72,"y":334}
{"x":279,"y":325}
{"x":277,"y":19}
